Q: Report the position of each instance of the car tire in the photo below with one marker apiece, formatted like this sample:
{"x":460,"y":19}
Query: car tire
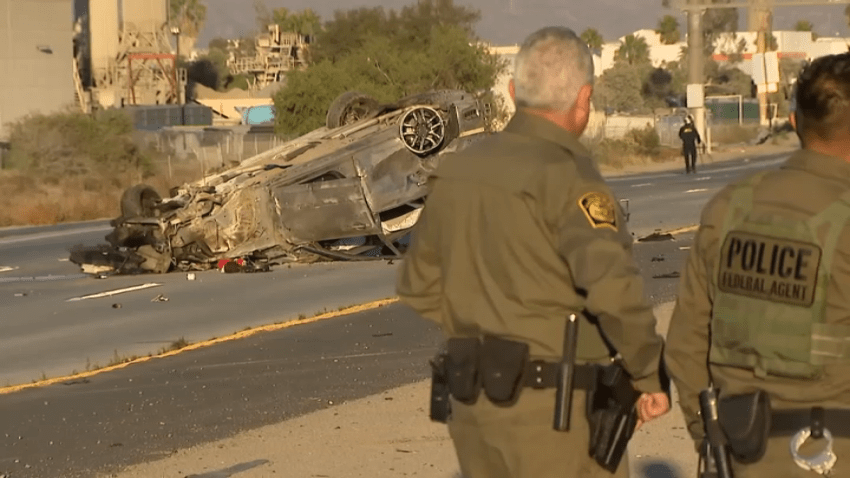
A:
{"x":350,"y":107}
{"x":140,"y":201}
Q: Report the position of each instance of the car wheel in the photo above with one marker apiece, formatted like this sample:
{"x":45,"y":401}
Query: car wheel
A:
{"x":140,"y":201}
{"x":348,"y":108}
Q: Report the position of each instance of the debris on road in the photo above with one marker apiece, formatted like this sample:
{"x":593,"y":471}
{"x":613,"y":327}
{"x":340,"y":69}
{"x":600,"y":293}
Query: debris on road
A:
{"x":658,"y":258}
{"x":7,"y":268}
{"x":20,"y":294}
{"x":190,"y":276}
{"x":669,"y":275}
{"x":116,"y":306}
{"x":230,"y":266}
{"x":160,"y":298}
{"x":110,"y":293}
{"x":657,"y":236}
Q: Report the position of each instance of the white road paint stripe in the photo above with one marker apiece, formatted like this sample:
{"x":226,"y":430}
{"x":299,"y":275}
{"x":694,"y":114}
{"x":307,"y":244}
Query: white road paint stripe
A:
{"x":47,"y":235}
{"x":641,"y":185}
{"x":695,"y":190}
{"x":702,"y":178}
{"x":7,"y":268}
{"x":110,"y":293}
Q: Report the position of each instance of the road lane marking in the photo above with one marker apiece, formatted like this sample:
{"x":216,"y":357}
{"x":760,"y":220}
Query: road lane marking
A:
{"x":6,"y":280}
{"x":703,"y":178}
{"x":7,"y":268}
{"x":696,"y":190}
{"x":48,"y":235}
{"x":206,"y":343}
{"x":110,"y":293}
{"x":641,"y":185}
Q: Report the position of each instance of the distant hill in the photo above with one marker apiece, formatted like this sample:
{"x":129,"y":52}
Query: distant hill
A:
{"x":614,"y":18}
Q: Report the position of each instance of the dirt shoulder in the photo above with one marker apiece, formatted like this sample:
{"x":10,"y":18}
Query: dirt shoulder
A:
{"x":721,"y":153}
{"x":387,"y":434}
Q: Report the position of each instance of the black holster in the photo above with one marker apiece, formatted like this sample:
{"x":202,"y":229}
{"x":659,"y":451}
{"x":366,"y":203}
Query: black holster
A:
{"x":745,"y":420}
{"x":440,"y":409}
{"x":611,"y":415}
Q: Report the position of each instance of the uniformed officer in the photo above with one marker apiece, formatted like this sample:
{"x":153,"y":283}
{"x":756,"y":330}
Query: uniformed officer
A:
{"x":520,"y":231}
{"x":763,"y":313}
{"x":690,"y":138}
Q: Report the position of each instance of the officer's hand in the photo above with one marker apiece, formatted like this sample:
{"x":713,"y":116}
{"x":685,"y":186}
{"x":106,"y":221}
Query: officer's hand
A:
{"x":651,"y":406}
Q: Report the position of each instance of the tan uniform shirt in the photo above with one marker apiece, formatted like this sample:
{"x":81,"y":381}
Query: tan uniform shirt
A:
{"x":519,"y":231}
{"x":806,"y":184}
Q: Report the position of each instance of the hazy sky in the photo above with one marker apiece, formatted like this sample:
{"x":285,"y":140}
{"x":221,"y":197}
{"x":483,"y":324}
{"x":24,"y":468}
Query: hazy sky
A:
{"x":614,"y":18}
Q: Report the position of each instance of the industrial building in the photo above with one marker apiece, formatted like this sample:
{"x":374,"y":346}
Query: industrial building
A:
{"x":36,"y":55}
{"x":88,"y":55}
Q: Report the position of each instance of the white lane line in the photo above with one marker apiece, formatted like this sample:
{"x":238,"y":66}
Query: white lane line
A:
{"x":7,"y":268}
{"x":48,"y":235}
{"x":641,"y":185}
{"x":110,"y":293}
{"x":695,"y":190}
{"x":702,"y":178}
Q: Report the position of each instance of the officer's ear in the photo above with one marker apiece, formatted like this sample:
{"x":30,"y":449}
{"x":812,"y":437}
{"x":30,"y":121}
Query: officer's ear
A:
{"x":792,"y":118}
{"x":512,"y":90}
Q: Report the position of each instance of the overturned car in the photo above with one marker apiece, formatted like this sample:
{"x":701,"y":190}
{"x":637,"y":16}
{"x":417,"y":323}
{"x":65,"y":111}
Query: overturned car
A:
{"x":351,"y":190}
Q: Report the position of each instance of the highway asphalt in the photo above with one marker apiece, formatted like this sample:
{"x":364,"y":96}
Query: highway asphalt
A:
{"x":97,"y":425}
{"x":42,"y":334}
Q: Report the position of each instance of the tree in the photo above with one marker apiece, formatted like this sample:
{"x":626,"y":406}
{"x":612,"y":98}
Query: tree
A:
{"x":593,"y":38}
{"x":633,"y":50}
{"x":349,"y":30}
{"x":847,"y":14}
{"x":218,"y":43}
{"x":189,"y":16}
{"x":619,"y":88}
{"x":375,"y":52}
{"x":805,"y":26}
{"x":668,"y":29}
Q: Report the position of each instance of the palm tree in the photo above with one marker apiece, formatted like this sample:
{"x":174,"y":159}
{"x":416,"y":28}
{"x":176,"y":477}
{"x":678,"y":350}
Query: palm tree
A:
{"x":593,"y":38}
{"x":633,"y":50}
{"x":668,"y":28}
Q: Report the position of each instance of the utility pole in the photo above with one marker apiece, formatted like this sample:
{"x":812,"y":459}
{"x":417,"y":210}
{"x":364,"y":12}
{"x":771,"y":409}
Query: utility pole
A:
{"x":696,"y":73}
{"x":759,"y":20}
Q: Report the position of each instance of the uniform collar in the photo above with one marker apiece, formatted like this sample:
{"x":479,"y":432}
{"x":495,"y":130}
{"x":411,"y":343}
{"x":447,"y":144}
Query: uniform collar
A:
{"x":528,"y":124}
{"x":819,"y":164}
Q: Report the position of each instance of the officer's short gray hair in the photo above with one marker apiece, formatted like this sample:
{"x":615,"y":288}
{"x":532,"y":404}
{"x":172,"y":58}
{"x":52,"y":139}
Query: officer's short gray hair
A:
{"x":552,"y":65}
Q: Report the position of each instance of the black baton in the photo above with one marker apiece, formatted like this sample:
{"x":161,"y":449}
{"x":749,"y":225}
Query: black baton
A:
{"x":566,"y":376}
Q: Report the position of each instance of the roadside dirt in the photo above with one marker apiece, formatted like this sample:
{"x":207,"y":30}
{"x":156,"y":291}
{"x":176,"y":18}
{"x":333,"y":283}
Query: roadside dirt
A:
{"x":388,"y":434}
{"x":721,"y":153}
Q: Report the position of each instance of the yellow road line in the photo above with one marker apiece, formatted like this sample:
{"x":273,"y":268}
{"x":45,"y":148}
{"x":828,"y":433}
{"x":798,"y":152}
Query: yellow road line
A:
{"x":206,"y":343}
{"x":685,"y":229}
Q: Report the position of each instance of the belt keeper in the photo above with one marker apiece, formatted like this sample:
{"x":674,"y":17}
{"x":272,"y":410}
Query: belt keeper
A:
{"x":537,"y":370}
{"x":816,"y":424}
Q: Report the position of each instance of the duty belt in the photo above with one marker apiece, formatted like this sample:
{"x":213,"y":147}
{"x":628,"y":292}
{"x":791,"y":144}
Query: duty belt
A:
{"x":790,"y":421}
{"x":541,"y":374}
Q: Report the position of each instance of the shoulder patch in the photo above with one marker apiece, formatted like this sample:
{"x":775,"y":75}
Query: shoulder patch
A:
{"x":599,"y":209}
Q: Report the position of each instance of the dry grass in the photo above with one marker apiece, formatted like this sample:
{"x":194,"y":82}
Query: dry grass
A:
{"x":45,"y":198}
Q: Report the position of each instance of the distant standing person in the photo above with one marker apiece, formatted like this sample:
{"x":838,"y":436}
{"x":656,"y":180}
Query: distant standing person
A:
{"x":690,"y":138}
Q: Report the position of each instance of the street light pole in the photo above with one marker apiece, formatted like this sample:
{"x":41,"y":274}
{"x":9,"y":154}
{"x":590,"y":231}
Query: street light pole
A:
{"x":176,"y":32}
{"x":696,"y":74}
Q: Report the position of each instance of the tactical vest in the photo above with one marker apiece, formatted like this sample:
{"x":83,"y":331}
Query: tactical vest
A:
{"x":770,"y":287}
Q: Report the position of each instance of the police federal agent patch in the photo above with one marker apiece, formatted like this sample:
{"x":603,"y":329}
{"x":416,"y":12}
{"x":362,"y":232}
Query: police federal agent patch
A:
{"x":769,"y":268}
{"x":599,"y":209}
